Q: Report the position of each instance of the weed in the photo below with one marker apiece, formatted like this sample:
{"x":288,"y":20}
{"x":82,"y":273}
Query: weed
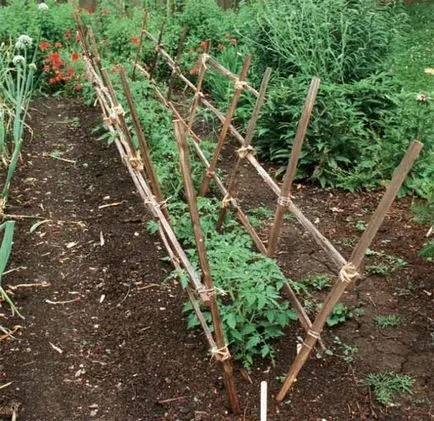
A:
{"x":388,"y":320}
{"x":318,"y":282}
{"x":380,"y":269}
{"x":386,"y":385}
{"x":348,"y":351}
{"x":360,"y":225}
{"x":387,"y":264}
{"x":339,"y":315}
{"x":407,"y":290}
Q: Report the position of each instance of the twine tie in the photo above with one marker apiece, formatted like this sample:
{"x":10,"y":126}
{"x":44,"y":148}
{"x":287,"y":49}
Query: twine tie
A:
{"x":284,"y":201}
{"x":348,"y":273}
{"x":221,"y":354}
{"x":244,"y":151}
{"x":240,"y":84}
{"x":226,"y":201}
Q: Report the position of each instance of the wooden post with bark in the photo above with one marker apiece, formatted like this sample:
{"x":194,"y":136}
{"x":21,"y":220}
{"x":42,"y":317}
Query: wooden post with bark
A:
{"x":222,"y":353}
{"x":349,"y":272}
{"x":285,"y":193}
{"x":239,"y":87}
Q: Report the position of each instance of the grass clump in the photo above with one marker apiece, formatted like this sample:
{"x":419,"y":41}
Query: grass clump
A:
{"x":386,"y":386}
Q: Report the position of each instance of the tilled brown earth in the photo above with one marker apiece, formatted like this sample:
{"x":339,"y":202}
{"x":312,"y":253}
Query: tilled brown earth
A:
{"x":104,"y":337}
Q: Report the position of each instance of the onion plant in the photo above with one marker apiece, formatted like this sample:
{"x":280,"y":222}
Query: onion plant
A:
{"x":16,"y":84}
{"x":5,"y":251}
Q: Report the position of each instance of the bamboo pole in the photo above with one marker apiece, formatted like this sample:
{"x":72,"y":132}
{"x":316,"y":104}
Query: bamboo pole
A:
{"x":81,"y":34}
{"x":220,"y":185}
{"x":244,"y":150}
{"x":239,"y":87}
{"x":322,"y":241}
{"x":176,"y":69}
{"x":175,"y":261}
{"x":104,"y":98}
{"x":140,"y":46}
{"x":198,"y":88}
{"x":155,"y":59}
{"x":146,"y":155}
{"x":285,"y":192}
{"x":118,"y":114}
{"x":222,"y":353}
{"x":348,"y":272}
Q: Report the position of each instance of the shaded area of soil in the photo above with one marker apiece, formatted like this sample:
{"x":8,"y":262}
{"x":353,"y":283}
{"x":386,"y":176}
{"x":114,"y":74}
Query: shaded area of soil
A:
{"x":106,"y":339}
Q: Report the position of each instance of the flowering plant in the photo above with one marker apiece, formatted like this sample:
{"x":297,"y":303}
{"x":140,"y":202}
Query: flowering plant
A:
{"x":61,"y":67}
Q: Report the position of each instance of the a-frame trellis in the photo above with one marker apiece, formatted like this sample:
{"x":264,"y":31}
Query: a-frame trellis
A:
{"x":143,"y":174}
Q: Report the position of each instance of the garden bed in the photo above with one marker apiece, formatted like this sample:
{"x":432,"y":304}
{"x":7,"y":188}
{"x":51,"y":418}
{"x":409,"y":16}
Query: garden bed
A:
{"x":120,"y":348}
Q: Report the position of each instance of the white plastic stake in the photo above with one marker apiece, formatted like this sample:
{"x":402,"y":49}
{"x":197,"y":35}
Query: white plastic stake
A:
{"x":264,"y":401}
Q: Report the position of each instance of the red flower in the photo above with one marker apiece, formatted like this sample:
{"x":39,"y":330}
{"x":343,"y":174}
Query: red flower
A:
{"x":234,"y":41}
{"x":204,"y":44}
{"x":52,"y":80}
{"x":195,"y":70}
{"x":105,"y":11}
{"x":59,"y":76}
{"x":46,"y":68}
{"x":55,"y":60}
{"x":135,"y":40}
{"x":90,"y":11}
{"x":78,"y":87}
{"x":77,"y":36}
{"x":75,"y":56}
{"x":68,"y":35}
{"x":70,"y":71}
{"x":220,"y":47}
{"x":44,"y":45}
{"x":58,"y":44}
{"x":114,"y":69}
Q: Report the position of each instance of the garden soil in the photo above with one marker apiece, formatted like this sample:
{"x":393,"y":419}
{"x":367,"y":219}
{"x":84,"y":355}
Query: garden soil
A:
{"x":104,"y":337}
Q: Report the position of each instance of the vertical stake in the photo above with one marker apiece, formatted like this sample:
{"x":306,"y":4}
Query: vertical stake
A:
{"x":239,"y":87}
{"x":198,"y":92}
{"x":157,"y":51}
{"x":264,"y":401}
{"x":285,"y":192}
{"x":147,"y":161}
{"x":139,"y":47}
{"x":242,"y":153}
{"x":222,"y":354}
{"x":175,"y":69}
{"x":349,"y":271}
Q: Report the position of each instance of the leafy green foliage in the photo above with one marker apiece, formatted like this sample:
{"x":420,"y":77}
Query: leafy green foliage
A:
{"x":388,"y":320}
{"x":340,"y":314}
{"x":252,"y":311}
{"x":386,"y":385}
{"x":347,"y":351}
{"x":251,"y":308}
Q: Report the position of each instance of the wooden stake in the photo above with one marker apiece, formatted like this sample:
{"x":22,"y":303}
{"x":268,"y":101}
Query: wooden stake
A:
{"x":348,"y":272}
{"x":206,"y":271}
{"x":244,"y":151}
{"x":322,"y":241}
{"x":118,"y":114}
{"x":239,"y":87}
{"x":155,"y":59}
{"x":176,"y":70}
{"x":285,"y":192}
{"x":198,"y":89}
{"x":146,"y":155}
{"x":139,"y":47}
